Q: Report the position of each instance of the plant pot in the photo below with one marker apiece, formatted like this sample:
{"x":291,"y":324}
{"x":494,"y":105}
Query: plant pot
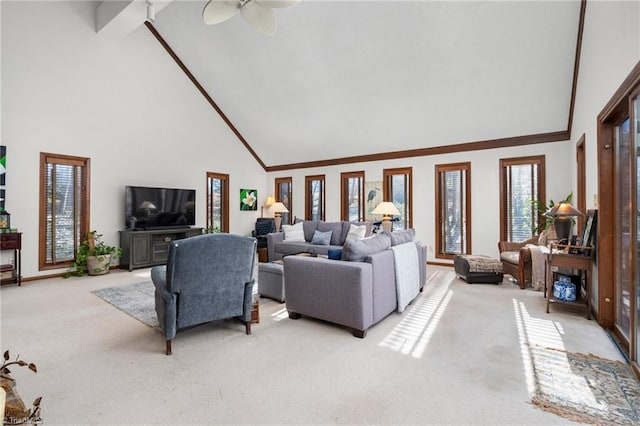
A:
{"x":98,"y":265}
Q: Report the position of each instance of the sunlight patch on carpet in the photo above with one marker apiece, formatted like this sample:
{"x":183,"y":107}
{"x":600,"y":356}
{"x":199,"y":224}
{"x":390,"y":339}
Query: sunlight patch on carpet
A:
{"x":579,"y":387}
{"x":412,"y":335}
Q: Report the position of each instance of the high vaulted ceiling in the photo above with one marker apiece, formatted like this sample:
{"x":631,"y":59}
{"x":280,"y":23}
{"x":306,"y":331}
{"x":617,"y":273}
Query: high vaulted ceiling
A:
{"x":350,"y":78}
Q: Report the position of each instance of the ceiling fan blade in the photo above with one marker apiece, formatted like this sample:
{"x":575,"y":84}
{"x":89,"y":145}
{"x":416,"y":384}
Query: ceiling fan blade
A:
{"x":260,"y":18}
{"x":217,"y":11}
{"x":277,"y":3}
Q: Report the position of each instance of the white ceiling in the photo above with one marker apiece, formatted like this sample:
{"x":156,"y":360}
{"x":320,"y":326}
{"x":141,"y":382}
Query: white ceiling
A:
{"x":346,"y":78}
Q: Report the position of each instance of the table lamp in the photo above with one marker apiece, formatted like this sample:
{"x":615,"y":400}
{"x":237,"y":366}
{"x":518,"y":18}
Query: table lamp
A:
{"x":278,"y":208}
{"x":562,"y":222}
{"x":386,"y":209}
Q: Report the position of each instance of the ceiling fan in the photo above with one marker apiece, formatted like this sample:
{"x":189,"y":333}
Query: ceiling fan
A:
{"x":257,"y":13}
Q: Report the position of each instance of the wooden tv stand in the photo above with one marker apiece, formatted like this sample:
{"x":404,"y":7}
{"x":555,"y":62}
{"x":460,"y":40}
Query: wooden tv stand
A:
{"x":148,"y":248}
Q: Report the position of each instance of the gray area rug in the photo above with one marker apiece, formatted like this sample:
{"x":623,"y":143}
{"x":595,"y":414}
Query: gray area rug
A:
{"x":136,"y":299}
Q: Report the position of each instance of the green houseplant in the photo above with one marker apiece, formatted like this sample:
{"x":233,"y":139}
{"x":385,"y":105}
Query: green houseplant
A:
{"x":542,"y":208}
{"x":93,"y":256}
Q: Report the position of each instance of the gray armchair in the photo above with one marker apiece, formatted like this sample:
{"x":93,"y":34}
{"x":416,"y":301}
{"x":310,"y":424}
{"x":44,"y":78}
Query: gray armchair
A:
{"x":207,"y":278}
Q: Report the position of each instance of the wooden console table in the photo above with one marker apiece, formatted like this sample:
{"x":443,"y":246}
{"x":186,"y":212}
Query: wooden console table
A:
{"x":580,"y":262}
{"x":13,"y":241}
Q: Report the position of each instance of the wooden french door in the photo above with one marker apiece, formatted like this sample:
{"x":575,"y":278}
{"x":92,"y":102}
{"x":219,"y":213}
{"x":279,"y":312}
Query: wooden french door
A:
{"x":618,"y":256}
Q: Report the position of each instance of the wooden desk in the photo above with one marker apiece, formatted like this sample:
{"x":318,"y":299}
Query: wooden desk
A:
{"x":579,"y":262}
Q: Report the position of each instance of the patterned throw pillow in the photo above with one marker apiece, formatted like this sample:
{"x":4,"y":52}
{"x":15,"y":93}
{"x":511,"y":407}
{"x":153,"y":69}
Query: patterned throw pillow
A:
{"x":321,"y":238}
{"x":293,"y":232}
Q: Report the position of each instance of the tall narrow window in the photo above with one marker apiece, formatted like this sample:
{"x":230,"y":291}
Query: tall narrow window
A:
{"x":352,"y":196}
{"x":64,"y":208}
{"x":397,"y":189}
{"x":284,"y":194}
{"x":217,"y":202}
{"x":521,"y":182}
{"x":453,"y":209}
{"x":314,"y":197}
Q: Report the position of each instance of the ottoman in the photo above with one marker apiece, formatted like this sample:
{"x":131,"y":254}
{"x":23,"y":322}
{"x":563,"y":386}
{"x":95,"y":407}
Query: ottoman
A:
{"x":478,"y":269}
{"x":271,"y":281}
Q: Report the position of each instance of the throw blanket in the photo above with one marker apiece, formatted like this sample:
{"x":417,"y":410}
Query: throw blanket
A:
{"x":406,"y":261}
{"x":480,"y":263}
{"x":538,"y":265}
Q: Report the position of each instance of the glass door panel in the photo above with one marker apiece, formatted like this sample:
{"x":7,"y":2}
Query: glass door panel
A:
{"x":624,"y":255}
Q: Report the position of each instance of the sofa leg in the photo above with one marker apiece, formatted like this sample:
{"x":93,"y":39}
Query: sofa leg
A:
{"x":247,"y":326}
{"x":294,"y":315}
{"x":359,"y":333}
{"x":168,"y":349}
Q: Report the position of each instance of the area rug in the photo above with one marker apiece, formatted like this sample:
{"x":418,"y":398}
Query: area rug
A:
{"x":585,"y":388}
{"x":136,"y":299}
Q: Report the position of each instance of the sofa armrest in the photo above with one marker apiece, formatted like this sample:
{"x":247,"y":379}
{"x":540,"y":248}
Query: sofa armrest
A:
{"x":272,"y":239}
{"x":332,"y":290}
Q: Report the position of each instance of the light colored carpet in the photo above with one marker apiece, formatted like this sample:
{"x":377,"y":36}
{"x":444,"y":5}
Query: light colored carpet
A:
{"x":457,"y":355}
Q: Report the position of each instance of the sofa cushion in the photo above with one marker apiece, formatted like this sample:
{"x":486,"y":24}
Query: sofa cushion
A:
{"x":356,"y":232}
{"x":358,"y":250}
{"x":293,"y":232}
{"x":401,"y":237}
{"x":309,"y":227}
{"x":321,"y":238}
{"x":336,"y":228}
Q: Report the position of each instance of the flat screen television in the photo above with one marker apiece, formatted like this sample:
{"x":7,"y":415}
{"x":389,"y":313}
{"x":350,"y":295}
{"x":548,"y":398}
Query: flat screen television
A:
{"x":152,"y":208}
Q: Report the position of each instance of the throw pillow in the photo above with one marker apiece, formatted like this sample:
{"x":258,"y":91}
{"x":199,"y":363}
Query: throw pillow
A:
{"x":336,"y":228}
{"x":401,"y":237}
{"x":293,"y":232}
{"x":356,"y":232}
{"x":321,"y":238}
{"x":334,"y":254}
{"x":358,"y":250}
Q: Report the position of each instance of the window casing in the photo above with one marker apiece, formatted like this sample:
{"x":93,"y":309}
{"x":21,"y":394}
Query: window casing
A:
{"x":284,"y":194}
{"x":64,"y":208}
{"x":217,"y":202}
{"x":453,"y":209}
{"x":352,"y":196}
{"x":314,"y":197}
{"x":522,"y":180}
{"x":397,"y":188}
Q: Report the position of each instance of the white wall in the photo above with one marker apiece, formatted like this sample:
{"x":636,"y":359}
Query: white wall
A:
{"x":121,"y":102}
{"x":610,"y":50}
{"x":485,"y":190}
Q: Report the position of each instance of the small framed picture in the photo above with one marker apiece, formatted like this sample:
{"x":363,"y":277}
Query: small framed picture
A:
{"x":248,"y":199}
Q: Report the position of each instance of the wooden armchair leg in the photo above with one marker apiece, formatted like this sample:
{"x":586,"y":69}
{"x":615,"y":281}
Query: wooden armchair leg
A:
{"x":169,"y":347}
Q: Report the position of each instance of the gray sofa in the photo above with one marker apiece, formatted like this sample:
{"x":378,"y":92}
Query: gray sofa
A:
{"x":356,"y":292}
{"x":278,"y":247}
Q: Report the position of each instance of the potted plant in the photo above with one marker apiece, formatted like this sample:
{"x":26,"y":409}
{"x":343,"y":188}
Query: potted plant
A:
{"x":93,"y":256}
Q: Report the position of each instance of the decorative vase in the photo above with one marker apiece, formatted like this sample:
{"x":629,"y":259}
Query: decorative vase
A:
{"x":98,"y":265}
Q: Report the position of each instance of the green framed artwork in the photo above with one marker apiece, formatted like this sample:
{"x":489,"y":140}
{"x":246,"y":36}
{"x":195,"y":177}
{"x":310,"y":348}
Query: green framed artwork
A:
{"x":248,"y":199}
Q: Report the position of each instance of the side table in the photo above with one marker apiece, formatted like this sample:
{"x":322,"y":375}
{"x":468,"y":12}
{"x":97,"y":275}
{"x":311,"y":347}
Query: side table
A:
{"x":13,"y":241}
{"x":582,"y":263}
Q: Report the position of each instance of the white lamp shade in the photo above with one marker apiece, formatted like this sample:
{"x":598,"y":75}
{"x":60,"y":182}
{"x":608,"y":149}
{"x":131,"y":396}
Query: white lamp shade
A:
{"x":386,"y":208}
{"x":278,"y":207}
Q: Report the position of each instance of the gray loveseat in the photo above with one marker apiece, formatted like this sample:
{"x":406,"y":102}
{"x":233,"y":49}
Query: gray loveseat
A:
{"x":355,"y":293}
{"x":278,"y":246}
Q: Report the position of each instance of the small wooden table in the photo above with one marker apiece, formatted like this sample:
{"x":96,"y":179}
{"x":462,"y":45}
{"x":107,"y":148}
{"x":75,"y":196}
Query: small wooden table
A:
{"x":581,"y":262}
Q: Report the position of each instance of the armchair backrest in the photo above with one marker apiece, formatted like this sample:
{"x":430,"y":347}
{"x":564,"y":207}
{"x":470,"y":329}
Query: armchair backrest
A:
{"x":204,"y":263}
{"x":265,"y":225}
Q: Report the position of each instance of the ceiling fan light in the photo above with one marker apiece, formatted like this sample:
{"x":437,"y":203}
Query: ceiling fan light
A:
{"x":217,"y":11}
{"x":259,"y":17}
